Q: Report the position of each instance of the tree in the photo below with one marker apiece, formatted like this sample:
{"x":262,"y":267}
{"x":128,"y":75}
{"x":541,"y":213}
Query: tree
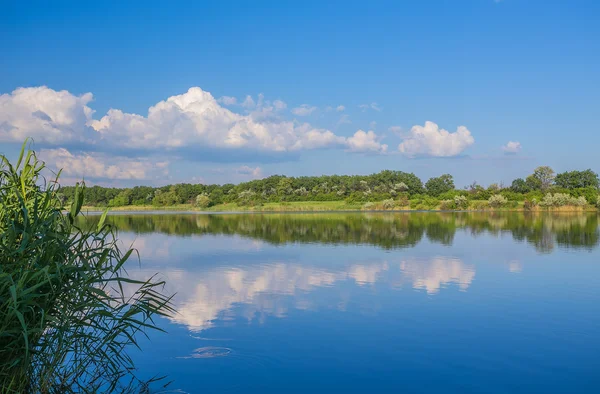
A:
{"x":577,"y":179}
{"x":520,"y":186}
{"x":202,"y":200}
{"x":544,"y":176}
{"x":439,"y":185}
{"x":284,"y":187}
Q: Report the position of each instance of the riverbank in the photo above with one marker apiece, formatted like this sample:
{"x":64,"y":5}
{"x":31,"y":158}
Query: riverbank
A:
{"x":330,"y":206}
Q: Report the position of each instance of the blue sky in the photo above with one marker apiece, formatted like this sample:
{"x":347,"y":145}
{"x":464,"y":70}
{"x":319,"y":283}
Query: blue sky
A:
{"x":79,"y":77}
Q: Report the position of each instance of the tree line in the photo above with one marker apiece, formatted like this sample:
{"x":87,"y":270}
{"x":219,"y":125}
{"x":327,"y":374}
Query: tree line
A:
{"x":397,"y":188}
{"x":402,"y":230}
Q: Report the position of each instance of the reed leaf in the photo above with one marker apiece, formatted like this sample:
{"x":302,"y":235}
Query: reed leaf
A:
{"x":68,"y":312}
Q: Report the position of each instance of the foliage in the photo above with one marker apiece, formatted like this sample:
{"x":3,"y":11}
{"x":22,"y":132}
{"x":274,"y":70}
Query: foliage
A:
{"x":389,"y":204}
{"x":202,"y":200}
{"x":439,"y":185}
{"x":577,"y":179}
{"x":424,"y":202}
{"x":461,"y":202}
{"x":561,"y":200}
{"x":497,"y":201}
{"x":519,"y":185}
{"x":542,"y":178}
{"x":68,"y":313}
{"x":352,"y":189}
{"x":369,"y":205}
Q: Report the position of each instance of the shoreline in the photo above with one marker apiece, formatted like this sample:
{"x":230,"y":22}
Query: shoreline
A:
{"x":315,"y":207}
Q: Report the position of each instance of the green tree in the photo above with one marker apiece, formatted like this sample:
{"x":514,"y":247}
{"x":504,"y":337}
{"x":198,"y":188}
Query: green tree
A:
{"x":439,"y":185}
{"x":577,"y":179}
{"x":519,"y":185}
{"x":543,"y":177}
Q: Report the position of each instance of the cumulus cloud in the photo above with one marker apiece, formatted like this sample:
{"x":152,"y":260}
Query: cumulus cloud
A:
{"x":45,"y":114}
{"x":366,"y":142}
{"x":195,"y":118}
{"x":279,"y":105}
{"x":430,"y":140}
{"x":373,"y":106}
{"x":249,"y":171}
{"x":304,"y":110}
{"x":340,"y":108}
{"x":98,"y":166}
{"x":248,"y":102}
{"x":227,"y":100}
{"x":512,"y":147}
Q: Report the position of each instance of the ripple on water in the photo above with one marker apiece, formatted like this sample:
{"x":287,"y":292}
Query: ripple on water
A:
{"x":209,"y":352}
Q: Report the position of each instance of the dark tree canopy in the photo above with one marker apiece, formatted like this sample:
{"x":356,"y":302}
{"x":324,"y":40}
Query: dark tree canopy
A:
{"x":439,"y":185}
{"x":577,"y":179}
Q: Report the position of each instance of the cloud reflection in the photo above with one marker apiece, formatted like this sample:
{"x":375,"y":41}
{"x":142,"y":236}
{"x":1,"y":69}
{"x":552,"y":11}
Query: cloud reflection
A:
{"x":206,"y":295}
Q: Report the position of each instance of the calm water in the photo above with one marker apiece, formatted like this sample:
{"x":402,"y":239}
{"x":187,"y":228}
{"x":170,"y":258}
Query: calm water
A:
{"x":383,"y":303}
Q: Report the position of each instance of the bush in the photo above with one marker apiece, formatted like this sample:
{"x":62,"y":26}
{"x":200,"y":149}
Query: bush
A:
{"x":368,"y":205}
{"x":202,"y":200}
{"x":65,"y":320}
{"x":461,"y":202}
{"x":497,"y":201}
{"x":561,"y":200}
{"x":424,"y":203}
{"x":530,"y":204}
{"x":389,"y":204}
{"x":598,"y":202}
{"x":447,"y":205}
{"x":479,"y":205}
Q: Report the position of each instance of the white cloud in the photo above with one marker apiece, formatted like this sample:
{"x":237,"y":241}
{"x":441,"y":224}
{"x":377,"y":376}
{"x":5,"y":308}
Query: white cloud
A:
{"x":248,"y":102}
{"x":374,"y":106}
{"x":96,"y":166}
{"x":46,"y":115}
{"x":512,"y":147}
{"x":304,"y":110}
{"x":340,"y":108}
{"x":366,"y":142}
{"x":430,"y":140}
{"x":196,"y":119}
{"x":279,"y":105}
{"x":252,"y":172}
{"x":227,"y":100}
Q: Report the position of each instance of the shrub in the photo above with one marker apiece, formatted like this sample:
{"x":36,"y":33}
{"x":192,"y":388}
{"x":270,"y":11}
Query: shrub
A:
{"x":202,"y":200}
{"x":424,"y":203}
{"x":368,"y":205}
{"x":65,"y":320}
{"x":530,"y":204}
{"x":479,"y":205}
{"x":497,"y":201}
{"x":447,"y":205}
{"x":461,"y":202}
{"x":389,"y":204}
{"x":598,"y":202}
{"x":561,"y":200}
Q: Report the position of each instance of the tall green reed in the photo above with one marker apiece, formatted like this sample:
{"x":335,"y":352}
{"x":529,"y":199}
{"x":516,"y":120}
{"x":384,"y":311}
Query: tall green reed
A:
{"x":68,"y":311}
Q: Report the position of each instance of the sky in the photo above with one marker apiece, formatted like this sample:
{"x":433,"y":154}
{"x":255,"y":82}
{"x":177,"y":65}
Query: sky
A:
{"x":154,"y":92}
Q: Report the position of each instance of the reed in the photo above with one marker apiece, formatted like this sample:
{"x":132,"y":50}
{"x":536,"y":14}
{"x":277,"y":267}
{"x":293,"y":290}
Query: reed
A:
{"x":68,"y":311}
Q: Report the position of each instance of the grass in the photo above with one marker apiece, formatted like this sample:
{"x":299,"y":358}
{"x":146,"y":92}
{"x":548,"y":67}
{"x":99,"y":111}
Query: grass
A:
{"x":322,"y":206}
{"x":68,"y":311}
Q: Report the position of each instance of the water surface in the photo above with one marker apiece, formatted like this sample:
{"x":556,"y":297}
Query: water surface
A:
{"x":383,"y":303}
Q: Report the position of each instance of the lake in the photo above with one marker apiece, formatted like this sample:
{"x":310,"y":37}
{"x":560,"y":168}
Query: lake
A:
{"x":373,"y":302}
